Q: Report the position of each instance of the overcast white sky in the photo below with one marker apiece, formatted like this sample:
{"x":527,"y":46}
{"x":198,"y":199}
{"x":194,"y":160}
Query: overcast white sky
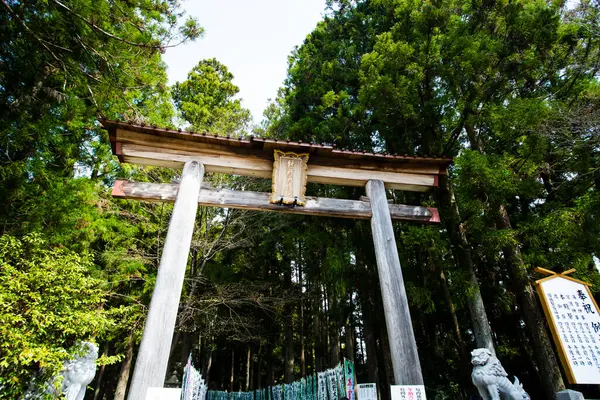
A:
{"x":253,"y":38}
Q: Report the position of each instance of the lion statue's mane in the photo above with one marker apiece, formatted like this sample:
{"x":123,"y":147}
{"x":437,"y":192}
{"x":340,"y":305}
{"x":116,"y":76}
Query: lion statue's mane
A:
{"x":491,"y":379}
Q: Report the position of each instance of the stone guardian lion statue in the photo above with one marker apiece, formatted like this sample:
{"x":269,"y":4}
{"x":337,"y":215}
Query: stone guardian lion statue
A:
{"x":491,"y":379}
{"x":77,"y":373}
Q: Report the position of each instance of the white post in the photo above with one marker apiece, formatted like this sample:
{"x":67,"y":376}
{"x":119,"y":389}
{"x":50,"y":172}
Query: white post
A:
{"x":153,"y":354}
{"x":405,"y":359}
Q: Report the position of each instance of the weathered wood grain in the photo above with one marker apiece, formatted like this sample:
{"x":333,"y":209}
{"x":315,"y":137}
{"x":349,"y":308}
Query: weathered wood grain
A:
{"x":403,"y":347}
{"x":343,"y":159}
{"x":262,"y":167}
{"x":359,"y":177}
{"x":220,"y":163}
{"x":260,"y":202}
{"x":153,"y":355}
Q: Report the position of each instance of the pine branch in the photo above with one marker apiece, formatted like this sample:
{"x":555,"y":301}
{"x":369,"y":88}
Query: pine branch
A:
{"x":43,"y":42}
{"x":113,"y":36}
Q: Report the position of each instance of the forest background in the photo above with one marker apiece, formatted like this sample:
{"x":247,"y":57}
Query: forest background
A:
{"x":507,"y":88}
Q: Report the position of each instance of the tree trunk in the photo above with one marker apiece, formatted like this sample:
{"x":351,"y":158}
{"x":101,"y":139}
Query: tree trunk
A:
{"x":387,"y":357}
{"x":549,"y":370}
{"x":534,"y":320}
{"x":258,"y":368}
{"x":370,"y":343}
{"x":302,"y":349}
{"x":125,"y":371}
{"x":232,"y":369}
{"x":309,"y":348}
{"x":465,"y":364}
{"x":334,"y":332}
{"x":98,"y":391}
{"x":186,"y":347}
{"x":317,"y":331}
{"x":334,"y":346}
{"x":174,"y":344}
{"x":248,"y":358}
{"x":349,"y":340}
{"x":462,"y":250}
{"x":455,"y":325}
{"x":310,"y":360}
{"x":383,"y":352}
{"x":302,"y":358}
{"x":326,"y":329}
{"x":209,"y":361}
{"x":474,"y":139}
{"x":365,"y":294}
{"x":270,"y":373}
{"x":289,"y":347}
{"x":288,"y":320}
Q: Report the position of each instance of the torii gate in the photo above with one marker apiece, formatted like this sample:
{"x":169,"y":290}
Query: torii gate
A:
{"x":291,"y":165}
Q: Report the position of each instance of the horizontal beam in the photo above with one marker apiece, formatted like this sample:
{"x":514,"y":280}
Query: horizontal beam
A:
{"x":320,"y":155}
{"x":262,"y":167}
{"x":258,"y":201}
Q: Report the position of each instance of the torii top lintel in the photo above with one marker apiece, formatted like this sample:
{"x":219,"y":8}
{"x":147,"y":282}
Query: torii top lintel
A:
{"x":149,"y":145}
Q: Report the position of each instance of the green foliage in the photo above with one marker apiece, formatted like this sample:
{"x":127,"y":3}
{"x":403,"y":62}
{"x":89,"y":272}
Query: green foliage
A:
{"x":49,"y":300}
{"x":508,"y":88}
{"x":63,"y":66}
{"x":206,"y":100}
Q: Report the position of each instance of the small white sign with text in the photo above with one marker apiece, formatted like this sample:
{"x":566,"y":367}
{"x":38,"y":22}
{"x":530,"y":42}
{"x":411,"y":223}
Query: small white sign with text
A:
{"x":366,"y":391}
{"x":155,"y":393}
{"x":408,"y":392}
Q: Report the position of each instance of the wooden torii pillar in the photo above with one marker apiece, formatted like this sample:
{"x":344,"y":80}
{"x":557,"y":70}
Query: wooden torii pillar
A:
{"x":198,"y":153}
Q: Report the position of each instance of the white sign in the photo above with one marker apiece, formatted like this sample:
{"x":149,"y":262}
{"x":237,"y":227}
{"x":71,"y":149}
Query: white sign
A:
{"x":155,"y":393}
{"x":575,"y":321}
{"x":366,"y":391}
{"x":408,"y":392}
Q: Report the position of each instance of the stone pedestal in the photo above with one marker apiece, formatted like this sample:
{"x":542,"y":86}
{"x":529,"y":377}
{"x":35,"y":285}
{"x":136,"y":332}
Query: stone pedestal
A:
{"x":569,"y":395}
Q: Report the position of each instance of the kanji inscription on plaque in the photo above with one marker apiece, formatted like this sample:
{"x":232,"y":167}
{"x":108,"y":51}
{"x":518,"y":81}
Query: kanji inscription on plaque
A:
{"x":289,"y":178}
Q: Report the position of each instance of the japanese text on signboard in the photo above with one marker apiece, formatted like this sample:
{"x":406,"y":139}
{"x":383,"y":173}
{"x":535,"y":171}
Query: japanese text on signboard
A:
{"x":576,"y":327}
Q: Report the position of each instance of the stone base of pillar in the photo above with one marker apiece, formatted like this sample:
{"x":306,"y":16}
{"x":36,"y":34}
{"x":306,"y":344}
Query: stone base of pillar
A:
{"x":569,"y":395}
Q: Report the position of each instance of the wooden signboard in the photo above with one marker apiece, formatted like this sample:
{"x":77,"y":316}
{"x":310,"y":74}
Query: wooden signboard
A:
{"x":290,"y":173}
{"x":574,"y":320}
